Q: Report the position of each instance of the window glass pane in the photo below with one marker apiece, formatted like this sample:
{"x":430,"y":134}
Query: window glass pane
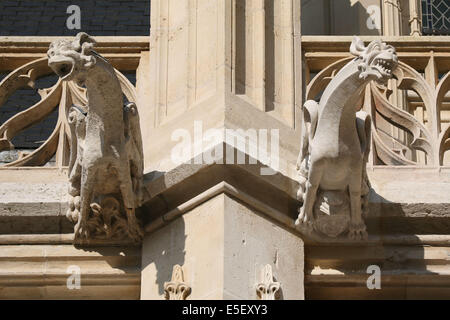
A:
{"x":436,"y":16}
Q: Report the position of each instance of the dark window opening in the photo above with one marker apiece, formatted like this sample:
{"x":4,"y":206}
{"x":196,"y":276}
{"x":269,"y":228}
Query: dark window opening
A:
{"x":436,"y":17}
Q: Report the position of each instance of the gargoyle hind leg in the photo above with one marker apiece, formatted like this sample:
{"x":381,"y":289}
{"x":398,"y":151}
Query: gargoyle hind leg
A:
{"x":126,"y":189}
{"x":305,"y":217}
{"x":357,"y":228}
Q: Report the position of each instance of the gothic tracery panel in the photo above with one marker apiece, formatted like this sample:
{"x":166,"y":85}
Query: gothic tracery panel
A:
{"x":410,"y":116}
{"x":52,"y":101}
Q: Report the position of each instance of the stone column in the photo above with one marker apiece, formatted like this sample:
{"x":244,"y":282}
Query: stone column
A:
{"x":392,"y":26}
{"x":414,"y":18}
{"x":222,"y":65}
{"x":392,"y":18}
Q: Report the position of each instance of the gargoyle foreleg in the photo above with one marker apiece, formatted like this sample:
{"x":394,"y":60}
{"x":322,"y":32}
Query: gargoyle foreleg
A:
{"x":357,"y":228}
{"x":75,"y":180}
{"x":305,"y":216}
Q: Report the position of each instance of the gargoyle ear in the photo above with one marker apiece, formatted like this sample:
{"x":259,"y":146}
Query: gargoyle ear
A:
{"x":83,"y":37}
{"x":357,"y":47}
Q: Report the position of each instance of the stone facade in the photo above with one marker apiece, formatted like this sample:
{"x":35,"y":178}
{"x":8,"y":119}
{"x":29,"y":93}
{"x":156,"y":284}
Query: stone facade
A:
{"x":251,"y":117}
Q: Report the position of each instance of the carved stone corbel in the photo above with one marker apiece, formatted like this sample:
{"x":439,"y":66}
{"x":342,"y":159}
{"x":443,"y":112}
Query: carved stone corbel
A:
{"x":177,"y":289}
{"x":267,"y":288}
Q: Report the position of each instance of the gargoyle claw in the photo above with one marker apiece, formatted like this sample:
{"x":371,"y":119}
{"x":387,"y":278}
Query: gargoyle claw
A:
{"x":304,"y":222}
{"x":358,"y":232}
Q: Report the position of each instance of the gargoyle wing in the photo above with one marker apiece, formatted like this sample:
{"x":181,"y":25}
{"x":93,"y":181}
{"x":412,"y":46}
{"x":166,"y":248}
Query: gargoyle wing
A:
{"x":76,"y":118}
{"x":363,"y":125}
{"x":309,"y":124}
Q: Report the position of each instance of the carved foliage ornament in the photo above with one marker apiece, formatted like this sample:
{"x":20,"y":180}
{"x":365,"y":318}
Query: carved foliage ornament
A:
{"x":177,"y":289}
{"x":335,"y":144}
{"x":267,"y":289}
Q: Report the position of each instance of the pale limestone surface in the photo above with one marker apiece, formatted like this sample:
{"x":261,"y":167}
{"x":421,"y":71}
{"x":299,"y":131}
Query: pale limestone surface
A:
{"x":222,"y":246}
{"x":106,"y":164}
{"x":335,"y":146}
{"x":42,"y":271}
{"x":195,"y":65}
{"x":200,"y":68}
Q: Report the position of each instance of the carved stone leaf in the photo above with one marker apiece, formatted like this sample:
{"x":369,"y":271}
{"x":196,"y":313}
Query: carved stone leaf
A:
{"x":176,"y":289}
{"x":385,"y":153}
{"x":411,"y":80}
{"x":267,"y":288}
{"x":405,"y":121}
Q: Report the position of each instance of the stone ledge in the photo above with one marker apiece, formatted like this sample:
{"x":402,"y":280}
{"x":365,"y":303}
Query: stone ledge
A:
{"x":30,"y":206}
{"x":41,"y":272}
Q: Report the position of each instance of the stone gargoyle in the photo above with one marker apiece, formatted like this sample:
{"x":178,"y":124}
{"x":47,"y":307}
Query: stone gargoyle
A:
{"x":106,"y":157}
{"x":335,"y":145}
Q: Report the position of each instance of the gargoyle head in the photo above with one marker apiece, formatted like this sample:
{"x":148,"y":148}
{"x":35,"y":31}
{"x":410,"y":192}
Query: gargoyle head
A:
{"x":378,"y":59}
{"x":71,"y":60}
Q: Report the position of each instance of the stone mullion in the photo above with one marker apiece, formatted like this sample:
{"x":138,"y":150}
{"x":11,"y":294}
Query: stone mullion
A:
{"x":392,"y":23}
{"x":434,"y":119}
{"x":63,"y":149}
{"x":164,"y":61}
{"x":192,"y":53}
{"x":259,"y":53}
{"x":414,"y":18}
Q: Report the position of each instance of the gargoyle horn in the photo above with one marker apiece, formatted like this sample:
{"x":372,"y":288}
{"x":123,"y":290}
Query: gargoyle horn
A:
{"x":357,"y":47}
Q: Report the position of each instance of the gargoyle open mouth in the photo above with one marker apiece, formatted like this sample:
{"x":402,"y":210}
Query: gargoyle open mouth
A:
{"x":62,"y":68}
{"x":384,"y":66}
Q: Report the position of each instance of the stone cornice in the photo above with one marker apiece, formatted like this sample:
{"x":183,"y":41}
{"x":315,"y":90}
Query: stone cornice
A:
{"x":123,"y":52}
{"x":401,"y":43}
{"x":105,"y":44}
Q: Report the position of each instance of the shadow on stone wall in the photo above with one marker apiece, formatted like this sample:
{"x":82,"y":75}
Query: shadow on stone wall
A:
{"x":164,"y":247}
{"x":393,"y":246}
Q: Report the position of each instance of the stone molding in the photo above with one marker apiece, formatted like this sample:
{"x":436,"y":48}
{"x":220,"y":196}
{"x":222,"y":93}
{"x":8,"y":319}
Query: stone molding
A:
{"x":41,"y":271}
